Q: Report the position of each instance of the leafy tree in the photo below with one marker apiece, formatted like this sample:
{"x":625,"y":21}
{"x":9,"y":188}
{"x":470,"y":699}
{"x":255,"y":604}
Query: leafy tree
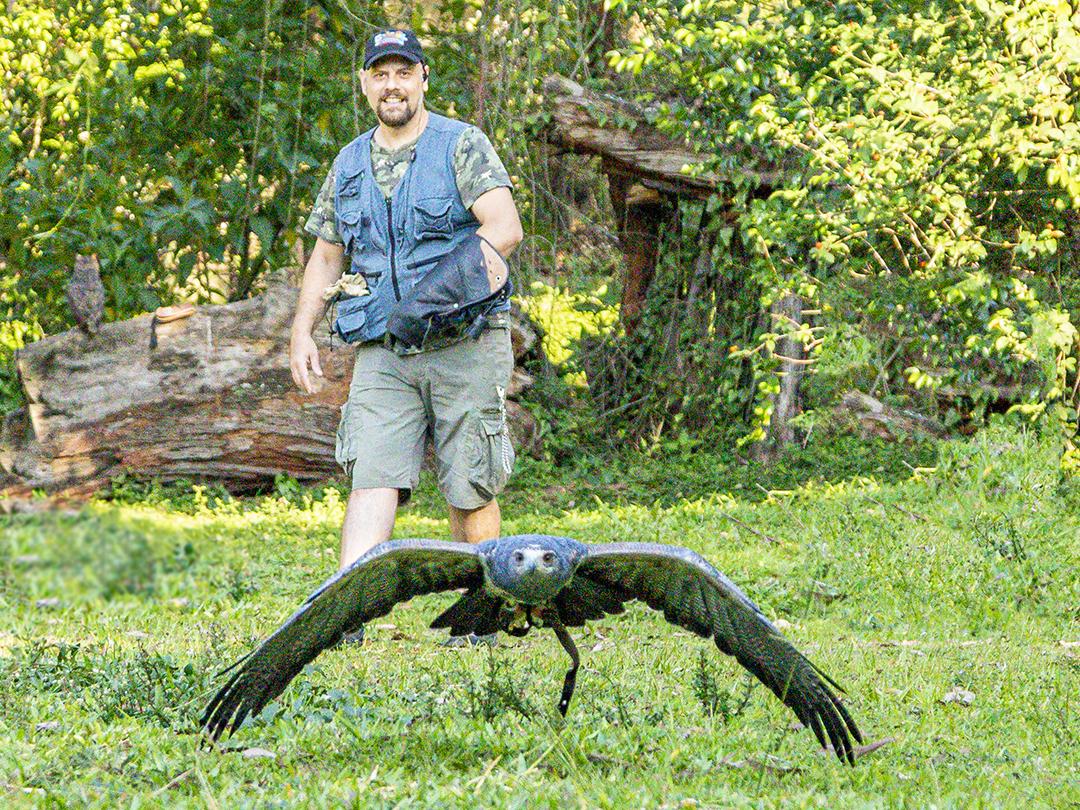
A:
{"x":929,"y":185}
{"x":184,"y":141}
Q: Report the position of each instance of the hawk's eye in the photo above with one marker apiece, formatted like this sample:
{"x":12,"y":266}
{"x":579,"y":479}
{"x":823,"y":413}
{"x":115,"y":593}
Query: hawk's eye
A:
{"x":549,"y":557}
{"x":519,"y":557}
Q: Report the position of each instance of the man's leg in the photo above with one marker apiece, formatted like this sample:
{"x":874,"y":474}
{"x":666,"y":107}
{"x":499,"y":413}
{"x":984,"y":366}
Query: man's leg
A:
{"x":369,"y":520}
{"x":472,"y":450}
{"x":380,"y":444}
{"x":476,"y":525}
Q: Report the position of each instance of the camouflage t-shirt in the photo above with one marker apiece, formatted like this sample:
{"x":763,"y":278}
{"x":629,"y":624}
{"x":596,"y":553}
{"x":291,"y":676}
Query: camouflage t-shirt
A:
{"x":477,"y":169}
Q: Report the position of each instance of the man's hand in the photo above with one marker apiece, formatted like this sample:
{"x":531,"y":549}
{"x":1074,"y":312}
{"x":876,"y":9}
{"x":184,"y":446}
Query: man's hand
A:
{"x":304,"y":361}
{"x":323,"y":269}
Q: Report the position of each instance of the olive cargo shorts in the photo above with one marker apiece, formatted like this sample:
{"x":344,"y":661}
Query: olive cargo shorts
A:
{"x":454,"y":395}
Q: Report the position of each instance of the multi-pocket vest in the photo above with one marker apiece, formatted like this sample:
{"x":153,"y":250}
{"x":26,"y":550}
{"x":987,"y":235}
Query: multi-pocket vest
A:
{"x":393,"y":242}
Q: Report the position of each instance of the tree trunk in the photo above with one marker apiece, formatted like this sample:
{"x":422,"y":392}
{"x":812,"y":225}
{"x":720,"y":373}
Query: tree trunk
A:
{"x":872,"y":418}
{"x":785,"y":403}
{"x":215,"y":400}
{"x":639,"y":215}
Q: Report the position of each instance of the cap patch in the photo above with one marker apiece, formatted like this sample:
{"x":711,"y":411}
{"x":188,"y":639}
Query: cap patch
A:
{"x":389,"y":38}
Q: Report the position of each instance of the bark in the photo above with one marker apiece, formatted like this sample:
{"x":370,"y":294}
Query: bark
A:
{"x":215,"y":401}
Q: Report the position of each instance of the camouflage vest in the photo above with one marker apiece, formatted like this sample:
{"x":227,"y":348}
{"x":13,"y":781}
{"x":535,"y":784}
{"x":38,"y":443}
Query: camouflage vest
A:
{"x":393,"y":242}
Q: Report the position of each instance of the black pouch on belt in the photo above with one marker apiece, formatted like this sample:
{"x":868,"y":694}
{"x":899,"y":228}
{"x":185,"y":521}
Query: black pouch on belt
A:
{"x":460,"y":291}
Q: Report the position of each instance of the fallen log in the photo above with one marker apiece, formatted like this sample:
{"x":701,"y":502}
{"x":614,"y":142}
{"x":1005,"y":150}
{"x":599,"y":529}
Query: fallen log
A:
{"x":872,"y":418}
{"x":213,"y":401}
{"x":583,"y":120}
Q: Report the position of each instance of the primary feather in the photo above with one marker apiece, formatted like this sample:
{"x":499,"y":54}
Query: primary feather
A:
{"x":390,"y":573}
{"x":529,"y":580}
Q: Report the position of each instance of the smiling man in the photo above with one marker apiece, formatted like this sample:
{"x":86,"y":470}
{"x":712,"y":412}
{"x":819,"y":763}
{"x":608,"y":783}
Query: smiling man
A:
{"x":398,"y":200}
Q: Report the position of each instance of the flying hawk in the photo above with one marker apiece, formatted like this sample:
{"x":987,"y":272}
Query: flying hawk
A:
{"x":86,"y":294}
{"x":516,"y":583}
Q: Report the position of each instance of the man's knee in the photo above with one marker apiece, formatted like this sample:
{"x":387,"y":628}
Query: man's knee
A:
{"x":378,"y":499}
{"x":370,"y":515}
{"x":476,"y":525}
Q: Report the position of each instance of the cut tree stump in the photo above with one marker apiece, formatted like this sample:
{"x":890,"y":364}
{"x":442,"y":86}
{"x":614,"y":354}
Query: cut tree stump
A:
{"x":214,"y":401}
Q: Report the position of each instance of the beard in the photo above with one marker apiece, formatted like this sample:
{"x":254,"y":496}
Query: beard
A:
{"x":399,"y":116}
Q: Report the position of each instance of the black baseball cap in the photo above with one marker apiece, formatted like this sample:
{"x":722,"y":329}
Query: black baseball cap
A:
{"x":393,"y":42}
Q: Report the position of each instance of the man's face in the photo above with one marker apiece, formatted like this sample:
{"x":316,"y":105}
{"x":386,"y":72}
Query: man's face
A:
{"x":395,"y":89}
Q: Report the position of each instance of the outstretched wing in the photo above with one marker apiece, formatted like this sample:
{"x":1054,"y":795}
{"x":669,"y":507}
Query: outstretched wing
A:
{"x":390,"y":573}
{"x":693,"y":594}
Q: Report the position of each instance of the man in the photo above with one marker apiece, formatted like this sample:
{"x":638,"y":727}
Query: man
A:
{"x":411,"y":188}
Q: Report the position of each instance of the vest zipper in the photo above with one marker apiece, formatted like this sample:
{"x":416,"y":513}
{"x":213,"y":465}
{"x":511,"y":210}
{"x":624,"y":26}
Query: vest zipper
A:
{"x":393,"y":249}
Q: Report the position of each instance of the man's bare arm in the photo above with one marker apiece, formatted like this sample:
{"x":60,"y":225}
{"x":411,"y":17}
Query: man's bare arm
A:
{"x":323,"y":269}
{"x":498,"y":217}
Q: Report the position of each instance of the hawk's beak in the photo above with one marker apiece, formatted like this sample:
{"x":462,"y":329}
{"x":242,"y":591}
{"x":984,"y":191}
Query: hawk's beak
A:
{"x":534,"y":561}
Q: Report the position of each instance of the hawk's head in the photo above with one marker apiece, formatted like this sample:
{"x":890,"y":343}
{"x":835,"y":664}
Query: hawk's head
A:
{"x":532,"y":568}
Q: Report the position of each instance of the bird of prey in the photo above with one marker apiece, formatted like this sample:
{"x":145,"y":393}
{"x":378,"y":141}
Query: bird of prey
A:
{"x":516,"y":583}
{"x":86,"y":294}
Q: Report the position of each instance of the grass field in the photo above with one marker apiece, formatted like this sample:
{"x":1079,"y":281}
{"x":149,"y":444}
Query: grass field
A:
{"x":945,"y":601}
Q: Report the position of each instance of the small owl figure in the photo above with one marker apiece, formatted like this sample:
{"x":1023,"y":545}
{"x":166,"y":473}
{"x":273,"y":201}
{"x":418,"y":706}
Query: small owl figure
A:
{"x":86,"y":294}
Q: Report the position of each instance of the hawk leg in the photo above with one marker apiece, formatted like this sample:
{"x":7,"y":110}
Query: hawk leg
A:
{"x":516,"y":620}
{"x":552,"y":621}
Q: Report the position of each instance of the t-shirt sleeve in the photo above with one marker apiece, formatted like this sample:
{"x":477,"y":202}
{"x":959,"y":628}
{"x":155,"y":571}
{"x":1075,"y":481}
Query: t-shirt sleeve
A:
{"x":322,"y":222}
{"x":477,"y":167}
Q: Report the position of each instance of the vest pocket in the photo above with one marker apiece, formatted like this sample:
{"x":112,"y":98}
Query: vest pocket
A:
{"x":351,"y":318}
{"x":353,"y":226}
{"x":433,"y":218}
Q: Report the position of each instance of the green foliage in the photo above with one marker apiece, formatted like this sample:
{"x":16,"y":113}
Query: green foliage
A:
{"x":108,"y":563}
{"x":15,"y":332}
{"x":182,"y":142}
{"x":564,"y":317}
{"x":111,"y":685}
{"x":716,"y":701}
{"x":910,"y":171}
{"x":180,"y":495}
{"x":925,"y":153}
{"x":959,"y":576}
{"x":498,"y":692}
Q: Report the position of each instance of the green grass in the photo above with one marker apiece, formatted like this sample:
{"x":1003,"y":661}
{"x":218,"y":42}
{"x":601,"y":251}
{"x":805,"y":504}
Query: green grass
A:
{"x":902,"y":588}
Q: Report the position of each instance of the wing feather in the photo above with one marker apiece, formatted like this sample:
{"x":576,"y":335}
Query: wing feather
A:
{"x":587,"y":599}
{"x":692,"y":594}
{"x":470,"y":613}
{"x":390,"y":573}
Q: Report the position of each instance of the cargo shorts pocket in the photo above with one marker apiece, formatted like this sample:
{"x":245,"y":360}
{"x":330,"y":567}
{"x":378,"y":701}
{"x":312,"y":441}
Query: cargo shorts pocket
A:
{"x":492,"y":457}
